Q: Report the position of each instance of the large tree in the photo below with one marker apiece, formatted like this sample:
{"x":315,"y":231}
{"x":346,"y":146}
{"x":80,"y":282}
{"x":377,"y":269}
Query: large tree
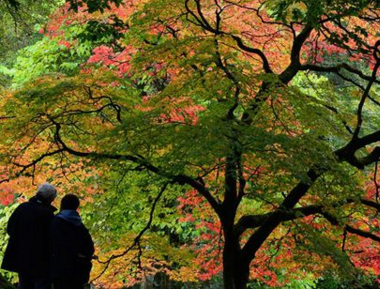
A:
{"x":271,"y":102}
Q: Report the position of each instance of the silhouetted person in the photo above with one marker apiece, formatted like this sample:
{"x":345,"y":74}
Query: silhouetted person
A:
{"x":28,"y":228}
{"x":71,"y":247}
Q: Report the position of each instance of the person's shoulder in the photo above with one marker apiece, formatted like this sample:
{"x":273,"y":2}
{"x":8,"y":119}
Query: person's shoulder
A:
{"x":59,"y":224}
{"x":20,"y":208}
{"x":80,"y":227}
{"x":24,"y":205}
{"x":83,"y":227}
{"x":52,"y":209}
{"x":84,"y":230}
{"x":41,"y":207}
{"x":58,"y":220}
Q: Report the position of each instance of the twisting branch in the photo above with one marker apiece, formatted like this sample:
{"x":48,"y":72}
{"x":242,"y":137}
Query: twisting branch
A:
{"x":336,"y":69}
{"x":37,"y":160}
{"x":6,"y":117}
{"x":376,"y":55}
{"x":287,"y":75}
{"x":376,"y":183}
{"x":111,"y":103}
{"x":137,"y":240}
{"x":350,"y":229}
{"x":254,"y":221}
{"x":200,"y":20}
{"x":362,"y":233}
{"x":344,"y":240}
{"x":142,"y":162}
{"x":242,"y":183}
{"x":256,"y":51}
{"x":224,"y":67}
{"x":370,"y":203}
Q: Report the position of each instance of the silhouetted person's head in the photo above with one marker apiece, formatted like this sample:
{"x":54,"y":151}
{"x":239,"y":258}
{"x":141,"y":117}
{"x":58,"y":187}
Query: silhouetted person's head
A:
{"x":70,"y":201}
{"x":46,"y":193}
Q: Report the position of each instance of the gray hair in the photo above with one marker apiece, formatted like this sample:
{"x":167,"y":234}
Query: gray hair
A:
{"x":46,"y":190}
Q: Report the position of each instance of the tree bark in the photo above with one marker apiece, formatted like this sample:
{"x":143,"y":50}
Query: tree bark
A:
{"x":235,"y":267}
{"x":233,"y":276}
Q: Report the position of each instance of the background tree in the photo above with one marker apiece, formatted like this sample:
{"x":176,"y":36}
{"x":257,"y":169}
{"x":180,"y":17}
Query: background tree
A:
{"x":20,"y":23}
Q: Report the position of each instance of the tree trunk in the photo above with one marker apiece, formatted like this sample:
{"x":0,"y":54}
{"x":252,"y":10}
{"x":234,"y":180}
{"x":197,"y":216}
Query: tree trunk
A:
{"x":241,"y":274}
{"x":235,"y":268}
{"x":235,"y":271}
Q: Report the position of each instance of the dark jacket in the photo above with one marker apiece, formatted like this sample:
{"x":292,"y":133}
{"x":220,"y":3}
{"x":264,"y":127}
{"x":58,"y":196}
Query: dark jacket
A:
{"x":71,"y":249}
{"x":28,"y":228}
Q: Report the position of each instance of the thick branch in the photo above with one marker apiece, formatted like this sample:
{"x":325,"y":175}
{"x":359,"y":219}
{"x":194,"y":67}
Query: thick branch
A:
{"x":259,"y":237}
{"x":351,"y":229}
{"x":256,"y":51}
{"x":366,"y":93}
{"x":362,"y":233}
{"x":200,"y":20}
{"x":336,"y":69}
{"x":287,"y":75}
{"x":35,"y":161}
{"x":255,"y":221}
{"x":179,"y":178}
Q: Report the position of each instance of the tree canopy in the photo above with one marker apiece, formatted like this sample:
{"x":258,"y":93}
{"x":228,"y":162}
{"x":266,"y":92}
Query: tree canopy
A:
{"x":252,"y":124}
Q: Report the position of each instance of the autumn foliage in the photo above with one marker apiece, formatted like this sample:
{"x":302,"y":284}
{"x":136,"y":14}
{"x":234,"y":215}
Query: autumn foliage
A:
{"x":213,"y":142}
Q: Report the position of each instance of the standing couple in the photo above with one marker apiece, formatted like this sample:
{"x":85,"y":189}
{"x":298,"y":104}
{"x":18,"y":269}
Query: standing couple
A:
{"x":46,"y":250}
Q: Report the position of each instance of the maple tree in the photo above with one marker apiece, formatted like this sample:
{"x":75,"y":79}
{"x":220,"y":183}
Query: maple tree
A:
{"x":266,"y":109}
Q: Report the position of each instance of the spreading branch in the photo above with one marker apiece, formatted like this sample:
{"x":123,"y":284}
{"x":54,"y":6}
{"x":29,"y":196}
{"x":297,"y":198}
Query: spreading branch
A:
{"x":137,"y":240}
